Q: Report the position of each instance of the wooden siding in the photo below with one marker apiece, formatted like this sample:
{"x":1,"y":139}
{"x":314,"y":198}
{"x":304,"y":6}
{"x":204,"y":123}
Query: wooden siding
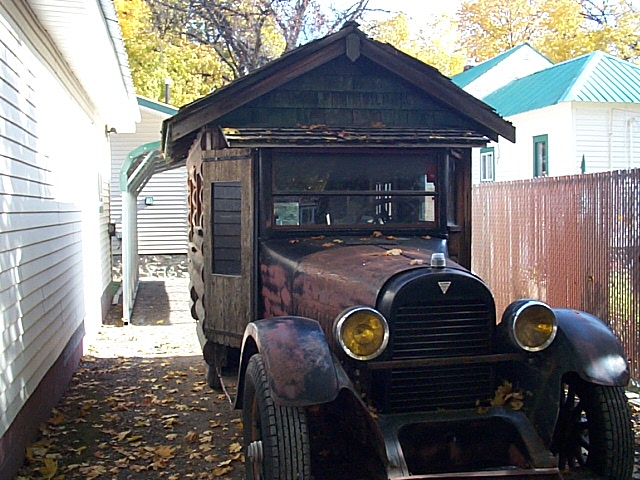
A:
{"x":51,"y":266}
{"x":162,"y":227}
{"x":344,"y":93}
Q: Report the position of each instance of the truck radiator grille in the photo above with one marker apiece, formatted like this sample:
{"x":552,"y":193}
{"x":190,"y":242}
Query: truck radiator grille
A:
{"x":450,"y":387}
{"x":452,"y":329}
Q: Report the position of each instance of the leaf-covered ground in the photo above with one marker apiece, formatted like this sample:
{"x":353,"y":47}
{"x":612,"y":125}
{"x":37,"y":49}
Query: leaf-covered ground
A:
{"x":138,"y":406}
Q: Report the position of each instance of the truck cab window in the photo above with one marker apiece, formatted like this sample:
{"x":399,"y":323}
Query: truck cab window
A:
{"x":353,"y":190}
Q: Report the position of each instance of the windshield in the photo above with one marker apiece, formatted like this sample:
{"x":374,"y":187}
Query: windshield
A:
{"x":353,"y":190}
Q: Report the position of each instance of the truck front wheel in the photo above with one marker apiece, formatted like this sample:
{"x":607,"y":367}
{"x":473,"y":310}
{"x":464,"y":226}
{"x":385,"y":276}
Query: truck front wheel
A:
{"x":594,"y":430}
{"x":276,"y":439}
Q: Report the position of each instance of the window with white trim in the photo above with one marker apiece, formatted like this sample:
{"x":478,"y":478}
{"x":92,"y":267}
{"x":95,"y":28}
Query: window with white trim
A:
{"x":487,"y":164}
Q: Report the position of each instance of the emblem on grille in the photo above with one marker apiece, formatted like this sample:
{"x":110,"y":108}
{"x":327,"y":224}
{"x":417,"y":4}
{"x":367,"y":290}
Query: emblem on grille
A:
{"x":444,"y":286}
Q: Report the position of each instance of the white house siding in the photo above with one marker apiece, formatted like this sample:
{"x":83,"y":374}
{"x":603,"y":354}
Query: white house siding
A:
{"x":608,"y":135}
{"x":162,"y":226}
{"x":514,"y":161}
{"x":54,"y":158}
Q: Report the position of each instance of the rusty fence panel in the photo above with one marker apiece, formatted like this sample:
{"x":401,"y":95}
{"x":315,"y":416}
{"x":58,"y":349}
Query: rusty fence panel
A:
{"x":570,"y":241}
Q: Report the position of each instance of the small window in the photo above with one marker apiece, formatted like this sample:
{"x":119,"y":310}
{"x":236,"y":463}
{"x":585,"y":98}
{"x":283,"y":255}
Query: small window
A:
{"x":226,"y":203}
{"x":541,"y":156}
{"x":487,"y":165}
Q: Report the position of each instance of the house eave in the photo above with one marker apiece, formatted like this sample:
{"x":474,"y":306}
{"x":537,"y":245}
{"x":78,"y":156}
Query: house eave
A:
{"x":101,"y":66}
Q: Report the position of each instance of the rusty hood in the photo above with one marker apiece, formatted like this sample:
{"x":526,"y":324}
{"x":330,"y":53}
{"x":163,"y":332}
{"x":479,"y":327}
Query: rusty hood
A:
{"x":318,"y":277}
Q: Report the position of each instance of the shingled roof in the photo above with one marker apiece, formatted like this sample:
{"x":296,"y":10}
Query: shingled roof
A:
{"x":180,"y":130}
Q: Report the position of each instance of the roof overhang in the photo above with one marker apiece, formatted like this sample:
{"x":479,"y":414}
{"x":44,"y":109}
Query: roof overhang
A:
{"x":140,"y":165}
{"x":87,"y":34}
{"x":324,"y":136}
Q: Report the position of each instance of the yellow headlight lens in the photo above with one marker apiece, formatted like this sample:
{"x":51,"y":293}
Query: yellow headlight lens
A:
{"x":362,"y":332}
{"x":534,"y":326}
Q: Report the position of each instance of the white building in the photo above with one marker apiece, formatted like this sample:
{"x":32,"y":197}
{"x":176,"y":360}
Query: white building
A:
{"x":578,"y":116}
{"x":64,"y":85}
{"x":162,"y":203}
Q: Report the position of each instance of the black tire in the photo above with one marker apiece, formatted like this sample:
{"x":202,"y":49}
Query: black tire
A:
{"x":594,"y":430}
{"x":276,"y":438}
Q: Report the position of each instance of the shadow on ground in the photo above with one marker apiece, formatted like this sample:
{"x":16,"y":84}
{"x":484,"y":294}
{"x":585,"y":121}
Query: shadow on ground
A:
{"x":138,"y":406}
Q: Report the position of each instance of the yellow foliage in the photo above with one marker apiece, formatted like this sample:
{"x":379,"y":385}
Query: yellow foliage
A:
{"x":193,"y":70}
{"x":559,"y":29}
{"x":435,"y":44}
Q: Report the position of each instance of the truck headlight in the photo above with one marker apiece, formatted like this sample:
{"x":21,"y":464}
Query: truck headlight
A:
{"x":531,"y":324}
{"x":362,"y":332}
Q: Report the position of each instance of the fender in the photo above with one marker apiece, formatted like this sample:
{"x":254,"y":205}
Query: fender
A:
{"x":585,"y":345}
{"x":300,"y":369}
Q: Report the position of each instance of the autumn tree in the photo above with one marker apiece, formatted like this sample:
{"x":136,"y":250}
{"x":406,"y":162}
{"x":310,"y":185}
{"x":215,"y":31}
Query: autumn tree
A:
{"x":156,"y":55}
{"x":617,"y":26}
{"x":435,"y":43}
{"x":560,"y":29}
{"x":247,"y":34}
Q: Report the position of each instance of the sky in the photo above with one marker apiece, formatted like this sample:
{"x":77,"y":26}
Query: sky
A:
{"x":415,"y":9}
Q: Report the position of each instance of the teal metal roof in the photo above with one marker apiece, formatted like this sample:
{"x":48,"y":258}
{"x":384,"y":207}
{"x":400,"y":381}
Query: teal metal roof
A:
{"x":465,"y":78}
{"x":157,"y":106}
{"x":595,"y":77}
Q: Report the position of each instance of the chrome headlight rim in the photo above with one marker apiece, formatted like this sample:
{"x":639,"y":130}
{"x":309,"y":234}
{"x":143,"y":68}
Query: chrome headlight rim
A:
{"x":344,"y":316}
{"x":515,"y":311}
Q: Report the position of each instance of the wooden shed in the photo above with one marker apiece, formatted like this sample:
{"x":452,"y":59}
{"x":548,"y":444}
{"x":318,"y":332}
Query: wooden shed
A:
{"x":341,"y":94}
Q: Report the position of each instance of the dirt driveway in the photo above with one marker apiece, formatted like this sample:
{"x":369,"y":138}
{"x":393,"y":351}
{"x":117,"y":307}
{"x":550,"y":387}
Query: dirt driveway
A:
{"x":138,"y":406}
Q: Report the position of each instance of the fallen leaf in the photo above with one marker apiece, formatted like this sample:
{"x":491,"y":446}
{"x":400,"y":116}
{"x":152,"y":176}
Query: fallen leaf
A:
{"x":57,"y":418}
{"x":393,"y":252}
{"x":49,"y":469}
{"x":235,"y":448}
{"x":219,"y":471}
{"x":327,"y":245}
{"x":78,"y":450}
{"x":165,"y":451}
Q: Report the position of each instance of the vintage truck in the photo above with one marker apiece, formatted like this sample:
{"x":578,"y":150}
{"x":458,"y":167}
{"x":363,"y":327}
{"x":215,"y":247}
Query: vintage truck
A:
{"x":330,"y":233}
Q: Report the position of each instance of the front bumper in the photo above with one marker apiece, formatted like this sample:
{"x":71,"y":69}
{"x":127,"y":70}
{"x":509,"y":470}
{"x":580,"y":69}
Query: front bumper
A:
{"x":465,"y":444}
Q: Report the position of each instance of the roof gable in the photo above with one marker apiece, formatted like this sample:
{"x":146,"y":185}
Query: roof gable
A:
{"x":465,"y":78}
{"x":351,"y":43}
{"x":499,"y":71}
{"x":595,"y":77}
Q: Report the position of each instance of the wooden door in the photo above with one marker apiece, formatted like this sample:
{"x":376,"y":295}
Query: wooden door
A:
{"x":229,"y":244}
